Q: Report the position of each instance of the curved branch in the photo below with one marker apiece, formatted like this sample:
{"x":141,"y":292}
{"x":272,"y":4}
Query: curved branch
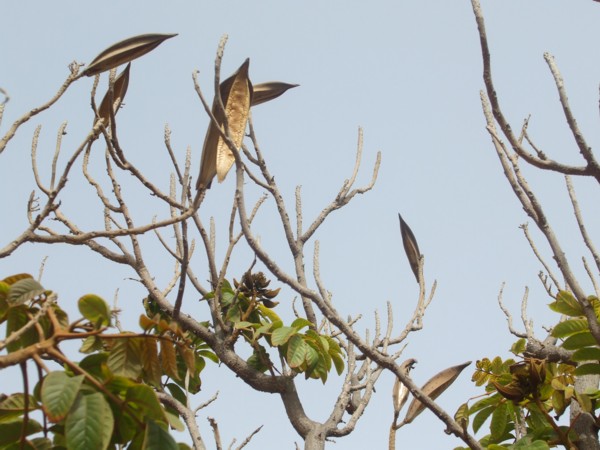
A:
{"x":545,"y":164}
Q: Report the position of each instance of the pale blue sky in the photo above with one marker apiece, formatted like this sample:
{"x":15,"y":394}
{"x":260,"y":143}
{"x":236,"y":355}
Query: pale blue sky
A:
{"x":409,"y":73}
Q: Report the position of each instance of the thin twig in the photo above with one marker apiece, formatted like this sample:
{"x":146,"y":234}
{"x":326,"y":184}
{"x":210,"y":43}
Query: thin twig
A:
{"x":584,"y":234}
{"x":15,"y":126}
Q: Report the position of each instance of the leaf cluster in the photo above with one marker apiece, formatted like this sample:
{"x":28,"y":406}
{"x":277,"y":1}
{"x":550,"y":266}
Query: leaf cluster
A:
{"x":248,"y":307}
{"x":525,"y":398}
{"x":109,"y":398}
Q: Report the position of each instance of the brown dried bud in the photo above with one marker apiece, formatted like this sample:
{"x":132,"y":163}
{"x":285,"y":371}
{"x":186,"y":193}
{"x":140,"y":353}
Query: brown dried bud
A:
{"x":537,"y":370}
{"x":255,"y":286}
{"x":511,"y":391}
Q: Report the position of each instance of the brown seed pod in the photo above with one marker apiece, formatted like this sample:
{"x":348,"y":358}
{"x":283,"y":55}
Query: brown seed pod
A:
{"x":511,"y":391}
{"x":400,"y":391}
{"x":119,"y":90}
{"x":434,"y":388}
{"x":264,"y":92}
{"x":125,"y":51}
{"x":217,"y":159}
{"x":411,"y":248}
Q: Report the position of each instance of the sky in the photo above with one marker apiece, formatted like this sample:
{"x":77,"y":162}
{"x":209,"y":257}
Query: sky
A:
{"x":409,"y":74}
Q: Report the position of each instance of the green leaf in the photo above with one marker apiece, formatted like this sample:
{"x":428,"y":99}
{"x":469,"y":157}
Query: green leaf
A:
{"x":481,"y":417}
{"x":579,"y":340}
{"x":59,"y":391}
{"x":94,"y":309}
{"x":586,"y":354}
{"x":144,"y":399}
{"x":4,"y":288}
{"x":18,"y":277}
{"x":338,"y":362}
{"x":91,"y":344}
{"x":312,"y":359}
{"x":497,"y":365}
{"x":559,"y":402}
{"x":536,"y":419}
{"x":281,"y":335}
{"x":499,"y":422}
{"x":16,"y":319}
{"x":95,"y":364}
{"x":256,"y":362}
{"x":334,"y":347}
{"x":24,"y":290}
{"x":584,"y":401}
{"x":268,"y":313}
{"x":324,"y":344}
{"x":296,"y":351}
{"x":525,"y":444}
{"x":14,"y":406}
{"x":210,"y":355}
{"x":462,"y":416}
{"x":519,"y":347}
{"x":320,"y":370}
{"x":11,"y":431}
{"x":89,"y":424}
{"x":177,"y":393}
{"x":41,"y":443}
{"x":227,"y":297}
{"x":569,"y":327}
{"x":588,"y":369}
{"x":175,"y":422}
{"x":566,"y":304}
{"x":300,"y":323}
{"x":124,"y":358}
{"x":119,"y":385}
{"x":156,"y":438}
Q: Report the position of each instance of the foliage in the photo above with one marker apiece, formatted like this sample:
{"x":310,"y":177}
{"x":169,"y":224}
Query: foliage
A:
{"x":108,"y":398}
{"x":129,"y":388}
{"x":525,"y":398}
{"x":117,"y":380}
{"x":248,"y":307}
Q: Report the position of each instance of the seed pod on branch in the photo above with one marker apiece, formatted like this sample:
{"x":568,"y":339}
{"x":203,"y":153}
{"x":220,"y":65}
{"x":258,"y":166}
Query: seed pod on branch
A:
{"x":410,"y":247}
{"x":125,"y":51}
{"x":400,"y":391}
{"x":119,"y":90}
{"x":264,"y":92}
{"x":217,"y":159}
{"x":433,"y":389}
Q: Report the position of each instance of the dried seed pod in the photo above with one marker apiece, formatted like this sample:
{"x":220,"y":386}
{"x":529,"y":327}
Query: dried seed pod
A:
{"x":217,"y":159}
{"x":269,"y":303}
{"x":400,"y":391}
{"x":271,"y":294}
{"x":434,"y":388}
{"x":264,"y":92}
{"x":411,"y":248}
{"x":511,"y":391}
{"x":119,"y":90}
{"x":125,"y":51}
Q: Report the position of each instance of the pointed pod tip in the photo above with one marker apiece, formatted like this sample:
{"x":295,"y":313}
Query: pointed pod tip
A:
{"x":264,"y":92}
{"x":411,"y":247}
